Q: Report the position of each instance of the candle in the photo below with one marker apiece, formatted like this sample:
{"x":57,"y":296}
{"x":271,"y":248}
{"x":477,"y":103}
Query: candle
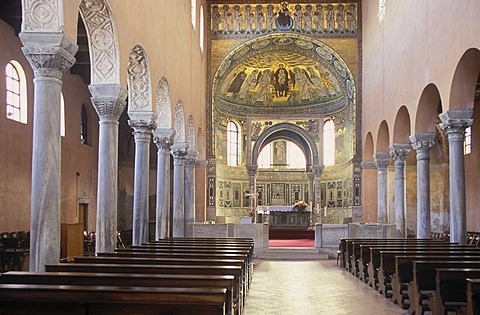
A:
{"x":325,"y":211}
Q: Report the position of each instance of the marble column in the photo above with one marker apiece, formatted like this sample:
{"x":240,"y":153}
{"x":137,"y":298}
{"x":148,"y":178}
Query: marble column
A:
{"x":252,"y":183}
{"x":399,"y":152}
{"x":163,"y":138}
{"x":382,"y":159}
{"x":311,"y":196}
{"x":422,"y":142}
{"x":179,"y":152}
{"x":190,"y":160}
{"x":50,"y":55}
{"x":109,"y":102}
{"x":142,"y":132}
{"x":317,"y":180}
{"x":454,"y":122}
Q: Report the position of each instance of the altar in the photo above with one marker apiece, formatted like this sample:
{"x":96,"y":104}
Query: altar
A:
{"x":283,"y":216}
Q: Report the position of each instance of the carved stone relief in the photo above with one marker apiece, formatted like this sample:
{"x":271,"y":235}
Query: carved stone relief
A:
{"x":164,"y":105}
{"x":42,"y":15}
{"x":139,"y":81}
{"x":179,"y":122}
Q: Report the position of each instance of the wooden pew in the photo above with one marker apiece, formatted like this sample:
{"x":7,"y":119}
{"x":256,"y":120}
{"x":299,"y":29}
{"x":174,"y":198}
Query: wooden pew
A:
{"x":473,"y":296}
{"x":451,"y":289}
{"x":109,"y":300}
{"x":403,"y":273}
{"x":133,"y":280}
{"x":179,"y":269}
{"x":359,"y":248}
{"x":374,"y":263}
{"x":167,"y":261}
{"x":387,"y":262}
{"x":423,"y":283}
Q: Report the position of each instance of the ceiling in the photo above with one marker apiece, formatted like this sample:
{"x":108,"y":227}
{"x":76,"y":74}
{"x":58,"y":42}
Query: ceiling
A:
{"x":11,"y":13}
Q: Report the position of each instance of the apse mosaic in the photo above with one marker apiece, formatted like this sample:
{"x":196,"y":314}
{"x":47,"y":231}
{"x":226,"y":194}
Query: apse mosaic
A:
{"x":283,"y":72}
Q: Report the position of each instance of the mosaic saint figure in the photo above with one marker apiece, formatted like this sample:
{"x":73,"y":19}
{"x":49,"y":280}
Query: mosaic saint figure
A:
{"x":263,"y":92}
{"x":297,"y":18}
{"x":226,"y":19}
{"x":216,"y":19}
{"x":308,"y":18}
{"x":270,"y":18}
{"x":341,"y":18}
{"x":327,"y":82}
{"x":318,"y":19}
{"x":248,"y":19}
{"x":259,"y":18}
{"x":317,"y":82}
{"x":330,"y":19}
{"x":248,"y":85}
{"x":237,"y":82}
{"x":237,"y":19}
{"x":283,"y":18}
{"x":305,"y":86}
{"x":281,"y":81}
{"x":352,"y":18}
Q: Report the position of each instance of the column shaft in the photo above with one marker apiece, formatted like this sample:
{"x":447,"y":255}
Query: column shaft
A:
{"x":399,"y":152}
{"x":382,"y":160}
{"x":179,"y":153}
{"x":454,"y":123}
{"x":189,"y":192}
{"x":163,"y":215}
{"x":422,"y":142}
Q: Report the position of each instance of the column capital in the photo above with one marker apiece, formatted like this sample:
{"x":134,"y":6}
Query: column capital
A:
{"x":422,"y":141}
{"x":399,"y":151}
{"x":50,"y":54}
{"x":381,"y":160}
{"x":108,"y":99}
{"x":252,"y":169}
{"x":142,"y":129}
{"x":317,"y":169}
{"x":455,"y":121}
{"x":368,"y":165}
{"x":179,"y":150}
{"x":163,"y":138}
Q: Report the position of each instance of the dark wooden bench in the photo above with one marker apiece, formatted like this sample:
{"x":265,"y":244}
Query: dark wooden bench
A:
{"x":423,"y":283}
{"x":473,"y":296}
{"x":403,"y":273}
{"x":374,"y":263}
{"x":236,"y":271}
{"x":138,"y":280}
{"x":109,"y":300}
{"x":451,"y":289}
{"x":387,"y":262}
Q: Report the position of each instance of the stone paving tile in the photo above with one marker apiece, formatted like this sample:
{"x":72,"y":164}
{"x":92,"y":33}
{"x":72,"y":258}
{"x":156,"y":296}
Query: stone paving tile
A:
{"x":312,"y":287}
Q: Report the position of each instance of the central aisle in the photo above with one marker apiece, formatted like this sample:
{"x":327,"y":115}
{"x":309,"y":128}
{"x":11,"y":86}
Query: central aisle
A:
{"x":313,"y":288}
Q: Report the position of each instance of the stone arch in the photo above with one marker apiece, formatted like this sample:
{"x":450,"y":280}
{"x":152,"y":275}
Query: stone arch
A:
{"x":138,"y":81}
{"x":382,"y":137}
{"x":428,"y":109}
{"x":179,"y":123}
{"x":191,"y":133}
{"x":163,"y":104}
{"x":401,"y":127}
{"x":369,"y":149}
{"x":462,"y":92}
{"x":103,"y":41}
{"x":290,"y":132}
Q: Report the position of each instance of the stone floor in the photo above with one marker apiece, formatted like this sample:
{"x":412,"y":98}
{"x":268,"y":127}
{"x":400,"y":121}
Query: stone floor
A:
{"x":312,"y":287}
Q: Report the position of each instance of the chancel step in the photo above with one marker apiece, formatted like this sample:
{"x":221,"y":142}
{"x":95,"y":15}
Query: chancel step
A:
{"x":293,"y":253}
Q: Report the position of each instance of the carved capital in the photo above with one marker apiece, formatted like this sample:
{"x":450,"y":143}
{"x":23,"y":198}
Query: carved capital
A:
{"x":366,"y":165}
{"x":455,"y":121}
{"x":179,"y":151}
{"x":142,"y":130}
{"x":108,"y":100}
{"x":163,"y":143}
{"x":49,"y":54}
{"x":399,"y":152}
{"x":381,"y":159}
{"x":190,"y":160}
{"x":422,"y":142}
{"x":252,"y":169}
{"x":317,"y":169}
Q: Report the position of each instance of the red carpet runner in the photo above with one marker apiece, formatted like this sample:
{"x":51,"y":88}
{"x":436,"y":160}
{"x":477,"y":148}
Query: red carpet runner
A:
{"x":291,"y":243}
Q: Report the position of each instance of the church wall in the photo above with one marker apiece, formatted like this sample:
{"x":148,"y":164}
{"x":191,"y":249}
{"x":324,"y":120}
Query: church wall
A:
{"x":369,"y":195}
{"x":16,"y":139}
{"x":472,"y":175}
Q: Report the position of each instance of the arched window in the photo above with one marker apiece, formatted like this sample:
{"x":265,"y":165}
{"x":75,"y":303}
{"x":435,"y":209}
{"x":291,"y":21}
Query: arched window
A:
{"x":16,"y":91}
{"x":233,"y":144}
{"x":62,"y":115}
{"x":83,"y":126}
{"x":295,"y":157}
{"x":193,"y":9}
{"x":329,"y":143}
{"x":202,"y":28}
